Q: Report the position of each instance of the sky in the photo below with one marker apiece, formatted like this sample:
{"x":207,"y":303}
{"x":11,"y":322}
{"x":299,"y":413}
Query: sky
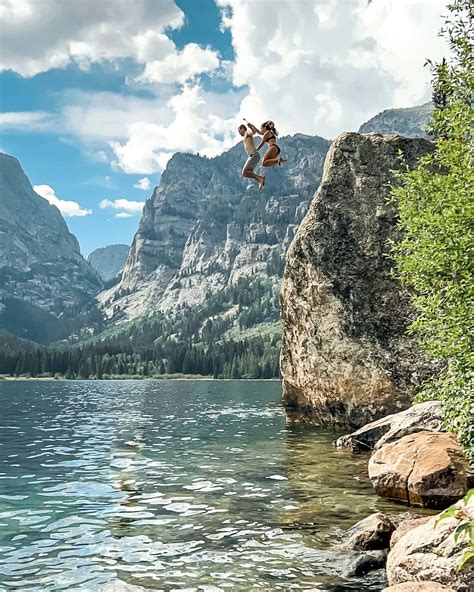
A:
{"x":96,"y":95}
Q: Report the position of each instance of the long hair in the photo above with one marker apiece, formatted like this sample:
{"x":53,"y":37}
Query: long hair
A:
{"x":270,"y":126}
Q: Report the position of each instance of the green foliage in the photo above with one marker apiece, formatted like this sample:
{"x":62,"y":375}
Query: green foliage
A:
{"x":462,"y":511}
{"x":195,"y":341}
{"x":435,"y":257}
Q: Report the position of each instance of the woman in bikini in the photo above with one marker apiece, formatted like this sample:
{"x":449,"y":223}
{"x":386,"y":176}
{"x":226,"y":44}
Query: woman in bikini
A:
{"x":269,"y":136}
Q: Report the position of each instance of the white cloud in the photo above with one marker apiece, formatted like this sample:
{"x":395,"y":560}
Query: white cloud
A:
{"x":143,"y":184}
{"x":315,"y":66}
{"x":327,"y":66}
{"x":128,"y":208}
{"x":27,"y":120}
{"x":200,"y":122}
{"x":180,"y":66}
{"x":66,"y":207}
{"x":40,"y":35}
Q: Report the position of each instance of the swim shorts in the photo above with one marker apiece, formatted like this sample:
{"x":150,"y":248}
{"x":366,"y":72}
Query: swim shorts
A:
{"x":252,"y":161}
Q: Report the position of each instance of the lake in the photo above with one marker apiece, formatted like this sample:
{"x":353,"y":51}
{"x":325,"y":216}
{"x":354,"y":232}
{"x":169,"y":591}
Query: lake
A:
{"x":171,"y":485}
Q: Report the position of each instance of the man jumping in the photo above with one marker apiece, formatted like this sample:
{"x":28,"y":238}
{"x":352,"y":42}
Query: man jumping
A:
{"x":253,"y":159}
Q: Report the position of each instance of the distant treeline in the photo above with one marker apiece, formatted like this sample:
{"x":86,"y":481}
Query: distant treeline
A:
{"x":196,"y":341}
{"x":256,"y":358}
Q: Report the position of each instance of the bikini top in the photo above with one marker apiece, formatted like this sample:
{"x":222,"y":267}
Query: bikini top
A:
{"x":272,"y":137}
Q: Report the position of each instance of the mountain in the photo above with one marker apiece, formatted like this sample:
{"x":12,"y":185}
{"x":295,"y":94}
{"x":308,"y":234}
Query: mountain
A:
{"x":44,"y":280}
{"x":108,"y":261}
{"x":411,"y":122}
{"x":208,"y":239}
{"x":346,"y":355}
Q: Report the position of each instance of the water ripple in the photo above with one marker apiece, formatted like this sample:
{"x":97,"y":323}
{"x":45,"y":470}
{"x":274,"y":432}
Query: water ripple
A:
{"x":128,"y":486}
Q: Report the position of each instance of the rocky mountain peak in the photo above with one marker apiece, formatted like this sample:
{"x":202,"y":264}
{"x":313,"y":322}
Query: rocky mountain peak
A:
{"x":205,"y":227}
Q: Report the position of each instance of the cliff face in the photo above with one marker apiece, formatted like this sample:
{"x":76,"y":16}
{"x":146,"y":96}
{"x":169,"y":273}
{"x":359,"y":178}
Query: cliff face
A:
{"x":41,"y":267}
{"x":109,"y":260}
{"x":345,"y":355}
{"x":205,"y":227}
{"x":411,"y":122}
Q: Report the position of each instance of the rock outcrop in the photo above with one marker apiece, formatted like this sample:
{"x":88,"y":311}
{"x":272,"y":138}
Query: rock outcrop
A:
{"x":42,"y":272}
{"x":418,"y":587}
{"x":407,"y":525}
{"x":205,"y":228}
{"x":108,"y":261}
{"x":424,"y":469}
{"x":431,"y":553}
{"x":427,"y":416}
{"x":346,"y":356}
{"x":371,"y":533}
{"x":412,"y":122}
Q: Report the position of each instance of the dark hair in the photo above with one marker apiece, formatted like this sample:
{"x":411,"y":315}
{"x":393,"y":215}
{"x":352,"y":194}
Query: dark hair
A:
{"x":242,"y":125}
{"x":270,"y":126}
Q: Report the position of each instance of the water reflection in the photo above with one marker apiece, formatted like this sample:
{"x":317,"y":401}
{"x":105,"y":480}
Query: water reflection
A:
{"x":169,"y":486}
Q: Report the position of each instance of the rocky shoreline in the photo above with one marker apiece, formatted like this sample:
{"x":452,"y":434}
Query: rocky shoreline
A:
{"x":413,"y":460}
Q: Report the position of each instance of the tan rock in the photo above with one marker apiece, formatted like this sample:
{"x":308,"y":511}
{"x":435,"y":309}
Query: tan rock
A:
{"x":425,"y":469}
{"x":346,"y":356}
{"x":426,"y":416}
{"x":405,"y":526}
{"x":430,"y":553}
{"x":418,"y":587}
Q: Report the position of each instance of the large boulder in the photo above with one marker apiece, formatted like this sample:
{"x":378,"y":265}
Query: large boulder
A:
{"x":346,"y":356}
{"x":424,"y":469}
{"x":431,"y":553}
{"x":427,"y":416}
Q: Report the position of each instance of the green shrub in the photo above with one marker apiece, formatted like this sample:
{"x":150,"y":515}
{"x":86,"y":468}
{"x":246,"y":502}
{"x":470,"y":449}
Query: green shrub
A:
{"x":435,"y":257}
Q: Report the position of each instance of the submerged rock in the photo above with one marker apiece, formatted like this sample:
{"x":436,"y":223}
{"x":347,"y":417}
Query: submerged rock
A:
{"x":427,"y":416}
{"x":362,"y":563}
{"x":346,"y":356}
{"x":429,"y":552}
{"x":371,"y":533}
{"x":424,"y":469}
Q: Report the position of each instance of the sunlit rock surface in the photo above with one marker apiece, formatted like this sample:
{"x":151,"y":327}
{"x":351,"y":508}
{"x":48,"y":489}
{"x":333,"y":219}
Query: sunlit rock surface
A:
{"x":346,"y":357}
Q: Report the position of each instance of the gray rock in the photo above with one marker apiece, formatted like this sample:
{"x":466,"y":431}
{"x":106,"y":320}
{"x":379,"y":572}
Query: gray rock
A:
{"x":427,"y":416}
{"x":430,"y":553}
{"x":362,"y":563}
{"x":346,"y":356}
{"x":371,"y":533}
{"x":41,"y":268}
{"x":411,"y":122}
{"x":108,"y":261}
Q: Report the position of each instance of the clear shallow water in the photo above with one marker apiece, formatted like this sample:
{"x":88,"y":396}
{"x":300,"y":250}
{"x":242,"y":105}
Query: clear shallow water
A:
{"x":171,"y":485}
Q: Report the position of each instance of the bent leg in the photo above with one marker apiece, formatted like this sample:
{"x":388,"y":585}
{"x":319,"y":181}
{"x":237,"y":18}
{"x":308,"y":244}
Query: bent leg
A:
{"x":250,"y":174}
{"x":270,"y":158}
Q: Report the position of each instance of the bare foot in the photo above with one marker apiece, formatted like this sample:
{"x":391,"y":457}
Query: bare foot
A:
{"x":261,"y":184}
{"x":280,"y":160}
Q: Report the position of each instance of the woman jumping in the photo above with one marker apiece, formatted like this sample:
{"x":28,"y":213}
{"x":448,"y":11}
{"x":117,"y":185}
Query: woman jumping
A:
{"x":269,"y":136}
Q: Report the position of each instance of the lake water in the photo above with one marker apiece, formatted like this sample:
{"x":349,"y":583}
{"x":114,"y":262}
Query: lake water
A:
{"x":171,"y":485}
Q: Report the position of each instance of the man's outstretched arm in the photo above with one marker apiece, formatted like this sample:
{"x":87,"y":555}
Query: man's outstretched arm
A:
{"x":254,"y":129}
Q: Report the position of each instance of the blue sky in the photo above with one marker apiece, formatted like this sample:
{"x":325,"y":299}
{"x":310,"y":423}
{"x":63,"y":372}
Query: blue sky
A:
{"x":102,"y":94}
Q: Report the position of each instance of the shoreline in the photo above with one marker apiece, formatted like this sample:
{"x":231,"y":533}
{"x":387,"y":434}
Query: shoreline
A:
{"x":8,"y":378}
